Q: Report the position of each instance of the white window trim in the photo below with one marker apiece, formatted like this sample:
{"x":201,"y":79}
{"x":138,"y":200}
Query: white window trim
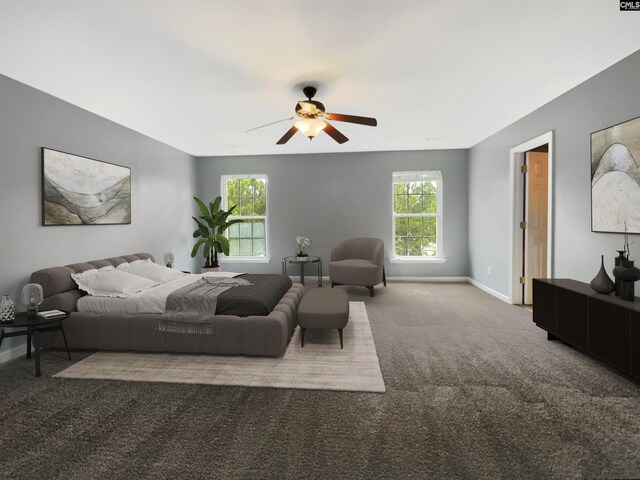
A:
{"x":417,"y":260}
{"x":426,"y":175}
{"x":266,"y":258}
{"x":235,"y":259}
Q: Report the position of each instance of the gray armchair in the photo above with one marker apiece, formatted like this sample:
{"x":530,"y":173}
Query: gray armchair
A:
{"x":358,"y":261}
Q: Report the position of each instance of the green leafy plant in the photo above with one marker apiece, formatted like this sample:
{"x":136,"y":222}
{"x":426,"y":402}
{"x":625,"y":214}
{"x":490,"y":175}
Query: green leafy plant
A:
{"x":212,"y":223}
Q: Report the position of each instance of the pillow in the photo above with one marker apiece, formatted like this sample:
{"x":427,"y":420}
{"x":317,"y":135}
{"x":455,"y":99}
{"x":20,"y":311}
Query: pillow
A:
{"x":111,"y":282}
{"x":150,"y":270}
{"x":92,"y":271}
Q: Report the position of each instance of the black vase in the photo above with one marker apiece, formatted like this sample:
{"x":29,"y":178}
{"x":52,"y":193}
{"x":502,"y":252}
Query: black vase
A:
{"x":601,"y":283}
{"x":628,"y":275}
{"x":617,"y":262}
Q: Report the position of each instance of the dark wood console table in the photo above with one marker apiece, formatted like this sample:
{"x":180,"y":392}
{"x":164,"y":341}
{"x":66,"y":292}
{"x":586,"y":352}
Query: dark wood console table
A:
{"x":602,"y":325}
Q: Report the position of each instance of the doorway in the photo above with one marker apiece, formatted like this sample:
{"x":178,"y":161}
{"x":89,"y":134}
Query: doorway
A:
{"x":531,"y":240}
{"x":534,"y":219}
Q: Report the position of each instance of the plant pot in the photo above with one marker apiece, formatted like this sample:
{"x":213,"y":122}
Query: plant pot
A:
{"x":302,"y":259}
{"x":210,"y":269}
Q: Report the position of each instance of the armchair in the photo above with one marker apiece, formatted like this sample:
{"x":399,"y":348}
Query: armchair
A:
{"x":358,"y":261}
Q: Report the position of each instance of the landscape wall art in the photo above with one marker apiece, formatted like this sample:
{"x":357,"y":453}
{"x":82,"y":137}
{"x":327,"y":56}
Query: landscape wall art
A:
{"x":615,"y":178}
{"x":81,"y":191}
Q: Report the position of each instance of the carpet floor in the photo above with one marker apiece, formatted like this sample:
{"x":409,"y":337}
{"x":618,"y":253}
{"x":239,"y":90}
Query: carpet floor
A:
{"x":473,"y":390}
{"x":320,"y":365}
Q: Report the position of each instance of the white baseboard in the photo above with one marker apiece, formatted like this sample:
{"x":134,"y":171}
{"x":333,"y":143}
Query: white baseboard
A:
{"x":12,"y":353}
{"x":307,"y":278}
{"x":490,"y":291}
{"x":429,"y":279}
{"x":484,"y":288}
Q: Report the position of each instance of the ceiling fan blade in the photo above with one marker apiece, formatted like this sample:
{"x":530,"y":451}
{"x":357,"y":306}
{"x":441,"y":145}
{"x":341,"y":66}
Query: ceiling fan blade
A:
{"x":335,"y":134}
{"x":287,"y":136}
{"x":267,"y":124}
{"x":371,"y":122}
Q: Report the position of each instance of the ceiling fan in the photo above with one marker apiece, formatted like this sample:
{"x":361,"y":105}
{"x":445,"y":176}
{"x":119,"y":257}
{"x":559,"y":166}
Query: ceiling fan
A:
{"x":311,"y":123}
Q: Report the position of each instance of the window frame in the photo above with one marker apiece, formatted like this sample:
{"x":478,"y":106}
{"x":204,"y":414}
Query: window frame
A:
{"x":424,"y":176}
{"x":266,"y":258}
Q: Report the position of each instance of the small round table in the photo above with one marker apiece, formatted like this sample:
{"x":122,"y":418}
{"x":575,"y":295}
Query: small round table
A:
{"x":33,"y":326}
{"x":302,"y":263}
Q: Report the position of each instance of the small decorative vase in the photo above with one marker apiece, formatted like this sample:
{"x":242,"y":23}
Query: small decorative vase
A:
{"x":7,"y":309}
{"x":617,"y":262}
{"x":628,"y":275}
{"x":601,"y":283}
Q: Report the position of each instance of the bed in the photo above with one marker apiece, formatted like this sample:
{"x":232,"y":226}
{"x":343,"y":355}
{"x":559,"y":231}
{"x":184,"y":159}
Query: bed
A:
{"x":128,"y":328}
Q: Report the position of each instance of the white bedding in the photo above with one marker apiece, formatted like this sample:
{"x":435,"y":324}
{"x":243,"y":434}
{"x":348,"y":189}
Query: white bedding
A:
{"x":150,"y":300}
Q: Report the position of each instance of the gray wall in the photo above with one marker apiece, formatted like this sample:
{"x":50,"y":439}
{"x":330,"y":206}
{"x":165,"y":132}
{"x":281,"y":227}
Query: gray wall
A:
{"x":332,"y":197}
{"x":608,"y":98}
{"x":163,"y":183}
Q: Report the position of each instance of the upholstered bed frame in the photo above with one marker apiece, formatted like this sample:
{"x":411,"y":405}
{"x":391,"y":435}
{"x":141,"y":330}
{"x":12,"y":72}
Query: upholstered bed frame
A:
{"x":253,"y":335}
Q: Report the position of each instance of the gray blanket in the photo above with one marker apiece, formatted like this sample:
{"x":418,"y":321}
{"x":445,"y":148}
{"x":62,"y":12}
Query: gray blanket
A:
{"x":191,"y":309}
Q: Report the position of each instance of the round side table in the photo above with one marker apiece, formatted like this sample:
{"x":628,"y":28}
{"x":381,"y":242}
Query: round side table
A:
{"x":302,"y":263}
{"x":33,"y":326}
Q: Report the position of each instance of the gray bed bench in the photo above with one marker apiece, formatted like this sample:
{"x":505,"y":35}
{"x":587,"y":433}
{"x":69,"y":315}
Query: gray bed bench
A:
{"x":323,"y":308}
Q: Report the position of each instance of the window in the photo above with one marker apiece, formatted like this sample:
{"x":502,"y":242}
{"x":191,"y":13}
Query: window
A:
{"x":417,"y":215}
{"x":249,"y":194}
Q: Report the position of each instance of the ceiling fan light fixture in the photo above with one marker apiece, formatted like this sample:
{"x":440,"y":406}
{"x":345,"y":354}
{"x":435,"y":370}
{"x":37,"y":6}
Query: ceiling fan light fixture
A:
{"x":311,"y":112}
{"x":310,"y":127}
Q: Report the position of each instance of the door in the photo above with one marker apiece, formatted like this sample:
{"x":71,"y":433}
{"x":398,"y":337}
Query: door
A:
{"x":535,"y":218}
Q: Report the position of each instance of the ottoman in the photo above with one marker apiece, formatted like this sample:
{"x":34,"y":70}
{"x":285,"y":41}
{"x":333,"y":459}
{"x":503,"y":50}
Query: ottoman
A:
{"x":323,"y":308}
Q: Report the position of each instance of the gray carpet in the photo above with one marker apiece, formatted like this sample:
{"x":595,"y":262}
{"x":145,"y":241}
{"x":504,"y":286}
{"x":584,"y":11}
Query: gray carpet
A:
{"x":474,"y":390}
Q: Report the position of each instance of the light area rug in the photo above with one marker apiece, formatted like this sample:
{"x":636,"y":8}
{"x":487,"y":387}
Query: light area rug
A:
{"x":320,"y":365}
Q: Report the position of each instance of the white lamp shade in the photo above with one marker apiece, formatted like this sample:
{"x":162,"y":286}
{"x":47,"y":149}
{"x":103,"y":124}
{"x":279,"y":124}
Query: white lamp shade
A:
{"x":310,"y":127}
{"x":32,"y":294}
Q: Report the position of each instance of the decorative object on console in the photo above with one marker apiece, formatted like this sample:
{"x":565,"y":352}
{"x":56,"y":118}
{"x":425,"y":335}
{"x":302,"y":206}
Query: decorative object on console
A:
{"x":617,"y":262}
{"x":210,"y":232}
{"x":302,"y":243}
{"x":601,"y":283}
{"x":7,"y":309}
{"x":32,"y":297}
{"x":615,"y":178}
{"x":82,"y":191}
{"x":628,"y":275}
{"x":169,"y":259}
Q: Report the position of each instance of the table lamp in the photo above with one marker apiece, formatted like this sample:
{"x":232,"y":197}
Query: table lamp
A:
{"x":32,"y":297}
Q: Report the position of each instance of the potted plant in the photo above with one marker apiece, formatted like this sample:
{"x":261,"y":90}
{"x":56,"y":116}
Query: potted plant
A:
{"x":210,"y":232}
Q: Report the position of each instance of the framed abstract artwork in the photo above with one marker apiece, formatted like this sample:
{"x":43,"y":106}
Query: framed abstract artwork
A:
{"x":615,"y":178}
{"x":82,"y":191}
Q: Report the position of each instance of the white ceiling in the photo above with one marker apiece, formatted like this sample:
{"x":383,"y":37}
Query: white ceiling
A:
{"x":196,"y":74}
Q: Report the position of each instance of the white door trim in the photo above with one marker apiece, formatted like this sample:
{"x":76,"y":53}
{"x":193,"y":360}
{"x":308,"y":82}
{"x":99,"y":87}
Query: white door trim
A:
{"x":516,"y":156}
